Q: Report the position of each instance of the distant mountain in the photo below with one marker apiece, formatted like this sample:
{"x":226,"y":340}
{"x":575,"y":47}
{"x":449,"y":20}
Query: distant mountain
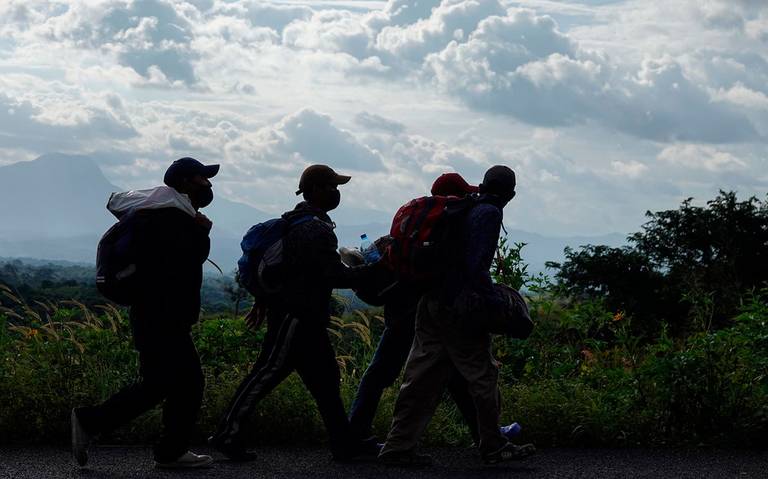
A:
{"x":54,"y":208}
{"x":54,"y":196}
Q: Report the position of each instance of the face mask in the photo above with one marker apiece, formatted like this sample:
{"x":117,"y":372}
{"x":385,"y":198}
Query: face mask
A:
{"x":500,"y":201}
{"x":333,"y":199}
{"x":202,"y":198}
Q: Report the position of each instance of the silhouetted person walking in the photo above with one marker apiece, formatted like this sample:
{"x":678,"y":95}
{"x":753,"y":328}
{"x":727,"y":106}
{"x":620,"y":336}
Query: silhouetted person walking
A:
{"x":446,"y":341}
{"x":171,"y":240}
{"x":297,"y":317}
{"x":396,"y":340}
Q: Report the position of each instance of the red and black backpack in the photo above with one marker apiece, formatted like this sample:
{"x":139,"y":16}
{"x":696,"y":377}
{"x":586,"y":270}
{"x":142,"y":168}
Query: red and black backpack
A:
{"x":423,"y":232}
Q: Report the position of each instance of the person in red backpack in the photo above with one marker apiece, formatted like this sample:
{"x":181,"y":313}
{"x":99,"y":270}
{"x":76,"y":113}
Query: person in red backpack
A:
{"x":172,"y":243}
{"x":445,"y":341}
{"x":396,"y":339}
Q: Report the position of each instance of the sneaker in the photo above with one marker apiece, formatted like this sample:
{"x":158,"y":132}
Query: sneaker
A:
{"x":362,"y":451}
{"x":81,"y":439}
{"x":232,"y":449}
{"x":511,"y":430}
{"x":405,"y":459}
{"x":510,"y":452}
{"x":188,"y":460}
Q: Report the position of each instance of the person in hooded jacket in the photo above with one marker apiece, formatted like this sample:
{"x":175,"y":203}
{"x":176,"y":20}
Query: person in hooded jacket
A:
{"x":172,"y":246}
{"x":297,"y":318}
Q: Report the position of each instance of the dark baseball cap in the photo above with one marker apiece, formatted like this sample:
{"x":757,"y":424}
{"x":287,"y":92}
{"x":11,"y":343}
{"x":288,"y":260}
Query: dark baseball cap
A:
{"x":320,"y":175}
{"x":452,"y":184}
{"x":186,"y":168}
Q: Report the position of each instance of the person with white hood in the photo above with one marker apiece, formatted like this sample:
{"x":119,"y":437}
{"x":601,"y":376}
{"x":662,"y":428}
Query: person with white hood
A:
{"x":171,"y":239}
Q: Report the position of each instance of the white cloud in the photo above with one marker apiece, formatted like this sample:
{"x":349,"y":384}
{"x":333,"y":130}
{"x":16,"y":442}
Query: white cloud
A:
{"x":378,"y":122}
{"x":630,"y":169}
{"x":743,"y":96}
{"x":605,"y":108}
{"x":42,"y":124}
{"x":701,"y":157}
{"x":521,"y":65}
{"x":298,"y":140}
{"x":449,"y":21}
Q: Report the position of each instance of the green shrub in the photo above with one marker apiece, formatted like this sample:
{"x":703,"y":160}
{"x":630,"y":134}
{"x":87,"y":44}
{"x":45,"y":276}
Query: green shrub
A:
{"x":583,"y":378}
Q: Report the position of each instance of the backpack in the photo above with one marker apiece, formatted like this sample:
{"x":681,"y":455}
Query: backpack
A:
{"x":422,"y":235}
{"x":117,"y":253}
{"x":258,"y":269}
{"x":116,"y":261}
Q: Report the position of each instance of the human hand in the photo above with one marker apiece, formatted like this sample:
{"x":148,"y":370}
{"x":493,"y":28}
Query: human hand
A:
{"x":256,"y":316}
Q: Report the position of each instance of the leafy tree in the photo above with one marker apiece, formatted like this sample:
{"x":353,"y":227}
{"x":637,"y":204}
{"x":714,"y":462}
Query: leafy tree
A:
{"x":713,"y":253}
{"x":688,"y":267}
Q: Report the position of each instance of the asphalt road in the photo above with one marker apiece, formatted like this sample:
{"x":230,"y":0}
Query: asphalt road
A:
{"x":131,"y":462}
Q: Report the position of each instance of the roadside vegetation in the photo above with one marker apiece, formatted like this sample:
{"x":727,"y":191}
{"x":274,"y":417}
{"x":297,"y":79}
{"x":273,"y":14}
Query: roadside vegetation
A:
{"x":663,"y":342}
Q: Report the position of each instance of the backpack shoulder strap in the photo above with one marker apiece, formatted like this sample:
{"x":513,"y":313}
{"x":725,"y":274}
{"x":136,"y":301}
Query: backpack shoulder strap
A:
{"x":302,"y":219}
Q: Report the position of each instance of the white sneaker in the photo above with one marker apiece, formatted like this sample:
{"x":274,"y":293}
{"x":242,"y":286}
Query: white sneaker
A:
{"x":188,"y":460}
{"x":80,"y":440}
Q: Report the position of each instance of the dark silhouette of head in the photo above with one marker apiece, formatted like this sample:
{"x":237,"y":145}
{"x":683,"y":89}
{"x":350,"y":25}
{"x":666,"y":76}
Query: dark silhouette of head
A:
{"x":499,"y":185}
{"x":452,"y":184}
{"x":319,"y":185}
{"x":189,"y":176}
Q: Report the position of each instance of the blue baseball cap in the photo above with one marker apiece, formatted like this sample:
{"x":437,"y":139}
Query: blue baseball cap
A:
{"x":186,"y":167}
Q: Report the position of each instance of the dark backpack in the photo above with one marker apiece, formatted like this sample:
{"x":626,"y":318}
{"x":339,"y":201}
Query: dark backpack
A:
{"x":422,"y":234}
{"x":116,"y":258}
{"x":258,"y":268}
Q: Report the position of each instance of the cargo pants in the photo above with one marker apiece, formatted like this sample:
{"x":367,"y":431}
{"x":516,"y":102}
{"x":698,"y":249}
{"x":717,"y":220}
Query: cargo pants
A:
{"x":440,"y":349}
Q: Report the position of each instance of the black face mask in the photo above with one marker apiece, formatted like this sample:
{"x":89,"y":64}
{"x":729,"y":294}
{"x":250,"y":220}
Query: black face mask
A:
{"x":202,"y":197}
{"x":332,"y":199}
{"x":500,"y":200}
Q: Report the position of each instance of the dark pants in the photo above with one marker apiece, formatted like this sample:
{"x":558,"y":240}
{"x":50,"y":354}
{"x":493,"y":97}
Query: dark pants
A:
{"x":388,"y":361}
{"x":170,"y":373}
{"x":292,"y":345}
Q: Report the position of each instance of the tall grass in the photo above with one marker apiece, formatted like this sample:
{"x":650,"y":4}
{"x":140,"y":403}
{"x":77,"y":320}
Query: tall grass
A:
{"x":581,"y":379}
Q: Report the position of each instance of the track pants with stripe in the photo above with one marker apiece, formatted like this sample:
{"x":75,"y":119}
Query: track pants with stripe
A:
{"x":291,"y":345}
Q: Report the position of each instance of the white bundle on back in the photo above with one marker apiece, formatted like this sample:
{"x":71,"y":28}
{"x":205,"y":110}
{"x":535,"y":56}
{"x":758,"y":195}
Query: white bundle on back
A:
{"x":151,"y":199}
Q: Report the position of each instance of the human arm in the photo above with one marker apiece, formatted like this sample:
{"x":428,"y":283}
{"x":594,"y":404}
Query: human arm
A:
{"x":483,"y":235}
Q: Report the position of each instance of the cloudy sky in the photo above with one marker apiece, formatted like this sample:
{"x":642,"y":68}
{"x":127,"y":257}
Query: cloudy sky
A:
{"x":604,"y":108}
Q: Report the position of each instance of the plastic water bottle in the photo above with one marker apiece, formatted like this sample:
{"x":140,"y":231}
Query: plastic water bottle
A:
{"x":369,"y":250}
{"x":511,"y":431}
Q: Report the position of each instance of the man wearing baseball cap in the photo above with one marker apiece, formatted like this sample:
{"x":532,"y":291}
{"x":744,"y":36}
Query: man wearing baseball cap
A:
{"x":297,"y":318}
{"x":447,"y":342}
{"x":170,"y":246}
{"x":396,"y":339}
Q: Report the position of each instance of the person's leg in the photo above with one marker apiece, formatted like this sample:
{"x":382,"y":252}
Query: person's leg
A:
{"x":473,"y":360}
{"x":426,"y":373}
{"x":274,"y":365}
{"x":388,"y":361}
{"x":132,"y":400}
{"x":316,"y":365}
{"x":186,"y":383}
{"x":457,"y":388}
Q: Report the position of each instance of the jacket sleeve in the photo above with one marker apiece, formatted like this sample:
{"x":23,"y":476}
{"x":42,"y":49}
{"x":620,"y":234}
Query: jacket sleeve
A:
{"x":484,"y":228}
{"x":323,"y":257}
